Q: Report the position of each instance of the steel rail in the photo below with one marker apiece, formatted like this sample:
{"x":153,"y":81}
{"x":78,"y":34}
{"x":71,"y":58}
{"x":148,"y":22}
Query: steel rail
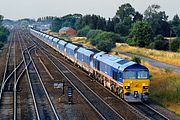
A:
{"x":16,"y":80}
{"x":30,"y":85}
{"x":7,"y":60}
{"x":15,"y":75}
{"x":47,"y":95}
{"x":78,"y":89}
{"x":157,"y":112}
{"x":3,"y":84}
{"x":15,"y":86}
{"x":125,"y":102}
{"x":52,"y":106}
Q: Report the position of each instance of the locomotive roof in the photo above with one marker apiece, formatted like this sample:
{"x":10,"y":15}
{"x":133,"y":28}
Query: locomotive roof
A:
{"x":115,"y":61}
{"x":136,"y":66}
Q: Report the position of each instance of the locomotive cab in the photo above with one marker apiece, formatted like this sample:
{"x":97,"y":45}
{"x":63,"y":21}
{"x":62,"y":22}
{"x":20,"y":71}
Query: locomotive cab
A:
{"x":136,"y":83}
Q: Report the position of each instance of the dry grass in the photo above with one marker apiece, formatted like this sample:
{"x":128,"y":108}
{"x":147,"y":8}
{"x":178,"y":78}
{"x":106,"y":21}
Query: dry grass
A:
{"x":163,"y":56}
{"x":79,"y":40}
{"x":173,"y":107}
{"x":82,"y":40}
{"x":165,"y":86}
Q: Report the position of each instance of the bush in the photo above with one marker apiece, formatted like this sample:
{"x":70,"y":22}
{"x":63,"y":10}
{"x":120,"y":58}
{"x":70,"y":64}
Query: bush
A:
{"x":83,"y":32}
{"x":102,"y":36}
{"x":141,"y":34}
{"x":136,"y":59}
{"x":160,"y":45}
{"x":118,"y":38}
{"x":93,"y":33}
{"x":3,"y":34}
{"x":105,"y":45}
{"x":178,"y":49}
{"x":1,"y":45}
{"x":174,"y":45}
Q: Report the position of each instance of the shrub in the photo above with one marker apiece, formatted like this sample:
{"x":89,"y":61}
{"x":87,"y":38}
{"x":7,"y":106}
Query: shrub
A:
{"x":105,"y":45}
{"x":161,"y":45}
{"x":92,"y":34}
{"x":174,"y":45}
{"x":141,"y":34}
{"x":83,"y":32}
{"x":3,"y":34}
{"x":136,"y":59}
{"x":3,"y":37}
{"x":1,"y":45}
{"x":103,"y":36}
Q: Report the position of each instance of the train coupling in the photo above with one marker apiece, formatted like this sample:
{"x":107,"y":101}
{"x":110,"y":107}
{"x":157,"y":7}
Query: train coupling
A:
{"x":136,"y":95}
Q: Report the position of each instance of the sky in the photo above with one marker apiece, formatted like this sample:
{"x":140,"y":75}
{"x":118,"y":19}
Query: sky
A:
{"x":18,"y":9}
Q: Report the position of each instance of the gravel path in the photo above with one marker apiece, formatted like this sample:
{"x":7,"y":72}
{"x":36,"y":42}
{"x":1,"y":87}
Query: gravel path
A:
{"x":154,"y":62}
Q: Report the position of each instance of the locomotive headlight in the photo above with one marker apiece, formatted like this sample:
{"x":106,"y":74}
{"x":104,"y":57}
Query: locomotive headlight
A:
{"x":145,"y":87}
{"x":127,"y":87}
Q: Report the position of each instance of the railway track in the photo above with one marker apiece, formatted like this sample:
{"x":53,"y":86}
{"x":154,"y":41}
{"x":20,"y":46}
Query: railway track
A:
{"x":42,"y":102}
{"x":99,"y":105}
{"x":6,"y":93}
{"x":13,"y":72}
{"x":14,"y":76}
{"x":19,"y":73}
{"x":20,"y":62}
{"x":148,"y":112}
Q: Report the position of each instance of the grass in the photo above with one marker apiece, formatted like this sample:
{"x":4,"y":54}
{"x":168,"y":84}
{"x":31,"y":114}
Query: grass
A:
{"x":83,"y":41}
{"x":165,"y":86}
{"x":163,"y":56}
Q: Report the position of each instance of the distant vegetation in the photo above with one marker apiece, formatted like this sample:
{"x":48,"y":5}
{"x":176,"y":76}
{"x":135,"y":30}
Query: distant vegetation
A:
{"x":65,"y":21}
{"x":128,"y":25}
{"x":3,"y":33}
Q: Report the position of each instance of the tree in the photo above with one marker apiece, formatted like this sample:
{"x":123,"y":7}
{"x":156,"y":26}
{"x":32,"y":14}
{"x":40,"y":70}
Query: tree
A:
{"x":125,"y":10}
{"x":175,"y":45}
{"x":104,"y":36}
{"x":1,"y":19}
{"x":56,"y":25}
{"x":157,"y":20}
{"x":137,"y":17}
{"x":65,"y":21}
{"x":3,"y":34}
{"x":175,"y":24}
{"x":141,"y":34}
{"x":91,"y":35}
{"x":160,"y":43}
{"x":110,"y":25}
{"x":123,"y":19}
{"x":175,"y":20}
{"x":83,"y":32}
{"x":121,"y":29}
{"x":93,"y":21}
{"x":105,"y":45}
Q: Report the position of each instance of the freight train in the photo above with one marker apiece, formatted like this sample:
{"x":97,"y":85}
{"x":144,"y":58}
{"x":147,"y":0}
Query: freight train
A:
{"x":126,"y":78}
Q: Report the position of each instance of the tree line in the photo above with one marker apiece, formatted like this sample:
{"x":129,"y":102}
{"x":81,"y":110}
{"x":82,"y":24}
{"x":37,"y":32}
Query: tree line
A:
{"x":128,"y":25}
{"x":3,"y":33}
